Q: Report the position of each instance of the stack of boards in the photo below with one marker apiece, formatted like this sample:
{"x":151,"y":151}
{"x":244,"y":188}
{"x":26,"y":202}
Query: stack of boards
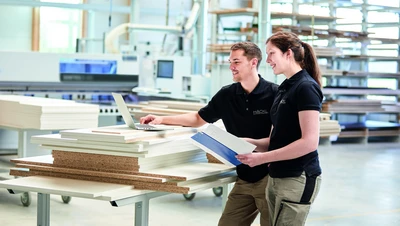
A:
{"x":360,"y":106}
{"x":160,"y":161}
{"x":353,"y":105}
{"x":328,"y":127}
{"x":25,"y":112}
{"x":163,"y":107}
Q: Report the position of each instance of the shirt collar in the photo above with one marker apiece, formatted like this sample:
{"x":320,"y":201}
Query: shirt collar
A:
{"x":287,"y":83}
{"x":258,"y":89}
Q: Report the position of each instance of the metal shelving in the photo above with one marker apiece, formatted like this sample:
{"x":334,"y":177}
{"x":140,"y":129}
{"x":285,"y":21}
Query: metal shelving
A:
{"x":343,"y":47}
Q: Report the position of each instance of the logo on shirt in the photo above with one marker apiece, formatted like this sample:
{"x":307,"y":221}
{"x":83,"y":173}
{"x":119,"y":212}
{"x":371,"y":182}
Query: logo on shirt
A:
{"x":260,"y":112}
{"x":283,"y":101}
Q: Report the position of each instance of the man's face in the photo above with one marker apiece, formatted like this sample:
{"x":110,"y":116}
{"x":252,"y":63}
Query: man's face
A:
{"x":276,"y":59}
{"x":239,"y":65}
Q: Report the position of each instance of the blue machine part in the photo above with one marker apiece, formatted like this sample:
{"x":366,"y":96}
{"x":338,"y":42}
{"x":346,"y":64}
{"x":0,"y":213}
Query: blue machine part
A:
{"x":81,"y":66}
{"x":66,"y":96}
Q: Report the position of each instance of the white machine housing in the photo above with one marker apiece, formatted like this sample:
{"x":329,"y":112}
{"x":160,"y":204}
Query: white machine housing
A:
{"x":196,"y":86}
{"x":45,"y":67}
{"x":164,"y":73}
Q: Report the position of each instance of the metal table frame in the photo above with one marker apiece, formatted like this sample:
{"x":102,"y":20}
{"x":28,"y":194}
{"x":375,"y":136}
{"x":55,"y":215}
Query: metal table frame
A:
{"x":141,"y":201}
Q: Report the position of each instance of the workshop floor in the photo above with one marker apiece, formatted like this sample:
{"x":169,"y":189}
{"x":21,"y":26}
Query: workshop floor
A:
{"x":360,"y":187}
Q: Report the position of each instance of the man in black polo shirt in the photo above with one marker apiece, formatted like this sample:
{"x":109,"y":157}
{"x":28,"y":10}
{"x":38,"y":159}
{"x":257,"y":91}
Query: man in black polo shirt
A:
{"x":244,"y":109}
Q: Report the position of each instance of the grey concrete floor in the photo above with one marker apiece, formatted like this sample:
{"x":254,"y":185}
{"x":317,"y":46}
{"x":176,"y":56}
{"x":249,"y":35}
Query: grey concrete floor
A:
{"x":360,"y":187}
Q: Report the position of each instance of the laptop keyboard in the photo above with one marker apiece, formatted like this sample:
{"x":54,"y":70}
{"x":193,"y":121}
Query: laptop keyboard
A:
{"x":145,"y":126}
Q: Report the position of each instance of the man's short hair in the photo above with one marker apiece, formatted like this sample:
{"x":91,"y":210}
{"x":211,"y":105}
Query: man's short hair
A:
{"x":250,"y":49}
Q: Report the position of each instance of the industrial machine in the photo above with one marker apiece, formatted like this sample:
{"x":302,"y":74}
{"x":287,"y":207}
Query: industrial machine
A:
{"x":91,"y":78}
{"x":171,"y":75}
{"x":44,"y":73}
{"x":88,"y":78}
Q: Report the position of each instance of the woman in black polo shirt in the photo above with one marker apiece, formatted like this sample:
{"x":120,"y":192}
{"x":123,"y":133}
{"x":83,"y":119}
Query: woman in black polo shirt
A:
{"x":294,"y":170}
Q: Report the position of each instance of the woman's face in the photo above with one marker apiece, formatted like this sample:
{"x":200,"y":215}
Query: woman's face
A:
{"x":276,"y":59}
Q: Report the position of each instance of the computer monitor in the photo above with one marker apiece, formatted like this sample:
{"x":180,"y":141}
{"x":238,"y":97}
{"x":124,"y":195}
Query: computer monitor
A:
{"x":165,"y":69}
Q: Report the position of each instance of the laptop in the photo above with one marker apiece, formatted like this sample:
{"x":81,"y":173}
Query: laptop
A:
{"x":126,"y":115}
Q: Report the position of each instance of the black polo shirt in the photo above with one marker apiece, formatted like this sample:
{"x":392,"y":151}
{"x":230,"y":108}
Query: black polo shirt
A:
{"x":299,"y":93}
{"x":244,"y":115}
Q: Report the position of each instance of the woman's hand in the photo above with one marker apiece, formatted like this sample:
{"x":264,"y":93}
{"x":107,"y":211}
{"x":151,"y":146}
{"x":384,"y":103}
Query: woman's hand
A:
{"x":251,"y":159}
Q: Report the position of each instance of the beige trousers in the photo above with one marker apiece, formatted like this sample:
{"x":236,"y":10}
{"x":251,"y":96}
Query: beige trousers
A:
{"x":289,"y":199}
{"x":245,"y":201}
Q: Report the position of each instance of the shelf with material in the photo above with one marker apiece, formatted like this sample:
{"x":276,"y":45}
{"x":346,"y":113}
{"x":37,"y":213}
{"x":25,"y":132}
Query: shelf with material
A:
{"x":235,"y":12}
{"x":363,"y":74}
{"x":357,"y":112}
{"x":368,"y":58}
{"x":372,"y":25}
{"x":274,"y":15}
{"x":359,"y":91}
{"x":353,"y":5}
{"x":370,"y":129}
{"x":354,"y":57}
{"x":346,"y":71}
{"x":322,"y":33}
{"x":354,"y":133}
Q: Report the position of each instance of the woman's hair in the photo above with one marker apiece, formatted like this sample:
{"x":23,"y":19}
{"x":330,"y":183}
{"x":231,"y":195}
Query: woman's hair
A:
{"x":250,"y":49}
{"x":303,"y":52}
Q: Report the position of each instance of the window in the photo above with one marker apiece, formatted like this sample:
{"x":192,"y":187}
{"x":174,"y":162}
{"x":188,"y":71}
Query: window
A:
{"x":59,"y":27}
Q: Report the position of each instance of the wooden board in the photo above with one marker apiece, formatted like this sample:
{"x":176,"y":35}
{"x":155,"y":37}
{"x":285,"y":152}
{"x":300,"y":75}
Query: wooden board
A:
{"x":168,"y":149}
{"x":57,"y":140}
{"x":124,"y":134}
{"x":44,"y":160}
{"x":179,"y":172}
{"x":99,"y":162}
{"x":139,"y":149}
{"x":67,"y":187}
{"x":192,"y":106}
{"x":191,"y":171}
{"x":208,"y":182}
{"x":93,"y":173}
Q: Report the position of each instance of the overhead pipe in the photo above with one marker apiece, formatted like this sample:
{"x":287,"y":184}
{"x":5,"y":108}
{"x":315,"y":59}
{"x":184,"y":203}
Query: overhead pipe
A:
{"x":178,"y":30}
{"x":123,"y":28}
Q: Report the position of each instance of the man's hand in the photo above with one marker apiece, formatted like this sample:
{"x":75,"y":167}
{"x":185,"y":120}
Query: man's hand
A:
{"x":151,"y":119}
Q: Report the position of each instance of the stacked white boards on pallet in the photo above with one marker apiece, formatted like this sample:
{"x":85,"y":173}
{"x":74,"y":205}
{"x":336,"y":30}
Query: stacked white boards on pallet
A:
{"x":149,"y":160}
{"x":39,"y":113}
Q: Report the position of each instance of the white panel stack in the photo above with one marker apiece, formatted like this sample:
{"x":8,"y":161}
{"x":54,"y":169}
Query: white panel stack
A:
{"x":46,"y":114}
{"x":151,"y":160}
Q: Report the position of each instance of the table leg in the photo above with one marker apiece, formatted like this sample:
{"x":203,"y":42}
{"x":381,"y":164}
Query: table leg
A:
{"x":226,"y":188}
{"x":26,"y":148}
{"x":142,"y":203}
{"x":22,"y":143}
{"x":142,"y":213}
{"x":43,"y":210}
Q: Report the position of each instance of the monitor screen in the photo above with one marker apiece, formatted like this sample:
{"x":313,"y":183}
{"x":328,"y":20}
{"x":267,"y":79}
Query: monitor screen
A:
{"x":165,"y":69}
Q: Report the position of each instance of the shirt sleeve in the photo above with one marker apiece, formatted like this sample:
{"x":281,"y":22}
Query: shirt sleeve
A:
{"x":212,"y":111}
{"x":309,"y":96}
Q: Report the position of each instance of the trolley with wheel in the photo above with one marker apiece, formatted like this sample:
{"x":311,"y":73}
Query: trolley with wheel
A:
{"x":26,"y":199}
{"x":218,"y":191}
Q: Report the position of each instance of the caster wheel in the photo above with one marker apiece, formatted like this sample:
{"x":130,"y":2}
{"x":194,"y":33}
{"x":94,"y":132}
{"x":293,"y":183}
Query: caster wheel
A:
{"x":189,"y":196}
{"x":218,"y":191}
{"x":66,"y":199}
{"x":26,"y":199}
